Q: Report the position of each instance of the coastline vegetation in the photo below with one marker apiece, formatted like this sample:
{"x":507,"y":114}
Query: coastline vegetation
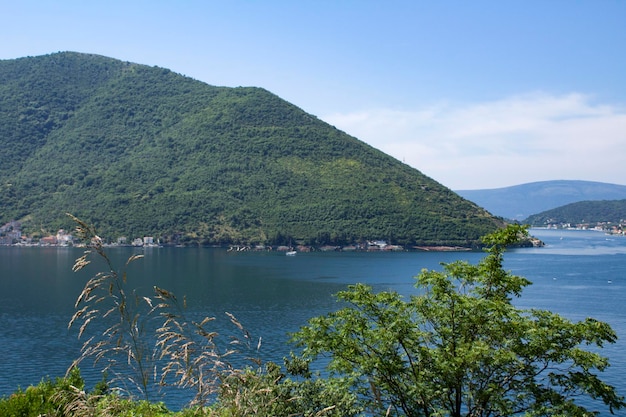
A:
{"x":458,"y":347}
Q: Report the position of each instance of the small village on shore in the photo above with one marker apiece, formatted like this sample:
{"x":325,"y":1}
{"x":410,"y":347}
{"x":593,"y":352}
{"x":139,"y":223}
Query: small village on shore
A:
{"x":605,"y":227}
{"x":11,"y":235}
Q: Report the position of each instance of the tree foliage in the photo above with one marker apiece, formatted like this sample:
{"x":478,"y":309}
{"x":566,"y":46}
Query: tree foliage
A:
{"x":142,"y":151}
{"x":460,"y":347}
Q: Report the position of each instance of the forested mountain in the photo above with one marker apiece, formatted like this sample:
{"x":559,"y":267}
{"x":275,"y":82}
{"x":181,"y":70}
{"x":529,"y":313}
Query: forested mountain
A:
{"x":582,"y":212}
{"x":520,"y":201}
{"x":141,"y":150}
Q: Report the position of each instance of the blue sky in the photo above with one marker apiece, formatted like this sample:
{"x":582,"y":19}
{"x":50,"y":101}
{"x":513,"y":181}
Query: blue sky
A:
{"x":479,"y":94}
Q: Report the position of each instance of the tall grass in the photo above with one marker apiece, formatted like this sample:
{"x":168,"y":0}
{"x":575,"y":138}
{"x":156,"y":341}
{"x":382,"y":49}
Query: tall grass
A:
{"x":181,"y":352}
{"x":192,"y":357}
{"x":122,"y":348}
{"x":147,"y":342}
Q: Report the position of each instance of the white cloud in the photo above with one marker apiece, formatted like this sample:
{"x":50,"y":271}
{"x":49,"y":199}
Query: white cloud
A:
{"x":532,"y":137}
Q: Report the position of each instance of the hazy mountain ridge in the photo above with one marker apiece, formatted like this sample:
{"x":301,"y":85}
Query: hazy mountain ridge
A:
{"x":521,"y":201}
{"x":141,"y":150}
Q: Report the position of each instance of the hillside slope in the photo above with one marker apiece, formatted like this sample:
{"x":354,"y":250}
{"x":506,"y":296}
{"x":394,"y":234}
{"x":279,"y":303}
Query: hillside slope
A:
{"x":520,"y":201}
{"x":141,"y":150}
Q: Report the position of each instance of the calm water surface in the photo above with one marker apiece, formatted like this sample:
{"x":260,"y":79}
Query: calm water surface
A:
{"x":578,"y":274}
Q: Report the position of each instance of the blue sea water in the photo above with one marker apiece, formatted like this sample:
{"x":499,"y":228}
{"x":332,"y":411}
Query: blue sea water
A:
{"x":577,"y":274}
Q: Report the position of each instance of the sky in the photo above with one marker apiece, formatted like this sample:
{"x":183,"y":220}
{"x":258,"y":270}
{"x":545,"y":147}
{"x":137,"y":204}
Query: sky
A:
{"x":480,"y":94}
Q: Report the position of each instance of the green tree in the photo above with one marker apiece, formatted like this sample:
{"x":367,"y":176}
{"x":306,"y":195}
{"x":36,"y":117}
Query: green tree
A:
{"x":461,"y":348}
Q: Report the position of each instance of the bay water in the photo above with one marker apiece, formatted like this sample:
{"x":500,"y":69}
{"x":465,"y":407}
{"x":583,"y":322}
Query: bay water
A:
{"x":577,"y":274}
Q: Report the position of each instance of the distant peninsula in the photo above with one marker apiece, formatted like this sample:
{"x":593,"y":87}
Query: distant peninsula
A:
{"x":608,"y":216}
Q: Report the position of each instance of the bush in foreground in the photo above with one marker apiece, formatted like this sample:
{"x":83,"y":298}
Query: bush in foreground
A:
{"x":461,"y":348}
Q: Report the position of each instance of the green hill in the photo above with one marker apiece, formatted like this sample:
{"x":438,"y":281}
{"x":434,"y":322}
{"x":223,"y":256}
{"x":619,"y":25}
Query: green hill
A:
{"x":582,"y":212}
{"x":141,"y":150}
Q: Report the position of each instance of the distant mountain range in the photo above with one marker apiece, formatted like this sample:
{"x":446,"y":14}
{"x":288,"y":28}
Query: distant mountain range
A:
{"x":143,"y":151}
{"x":521,"y":201}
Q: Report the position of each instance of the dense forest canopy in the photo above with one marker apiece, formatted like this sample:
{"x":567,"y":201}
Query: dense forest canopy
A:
{"x":141,"y":150}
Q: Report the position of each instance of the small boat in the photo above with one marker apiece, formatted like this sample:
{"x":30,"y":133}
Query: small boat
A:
{"x":291,"y":253}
